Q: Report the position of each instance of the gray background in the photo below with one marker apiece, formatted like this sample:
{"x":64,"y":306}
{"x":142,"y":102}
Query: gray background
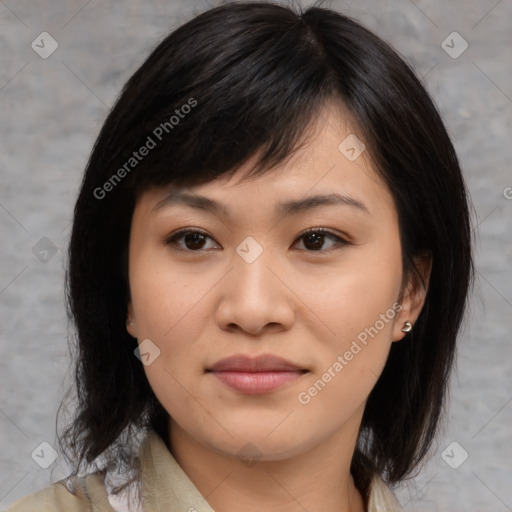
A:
{"x":51,"y":112}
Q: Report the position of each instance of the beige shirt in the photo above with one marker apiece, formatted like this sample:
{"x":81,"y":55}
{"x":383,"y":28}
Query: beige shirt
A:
{"x":165,"y":487}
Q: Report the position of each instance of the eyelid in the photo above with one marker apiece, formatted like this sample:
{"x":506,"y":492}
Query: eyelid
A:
{"x":186,"y":230}
{"x":324,"y":231}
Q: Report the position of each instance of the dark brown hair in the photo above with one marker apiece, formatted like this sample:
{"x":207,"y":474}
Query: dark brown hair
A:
{"x":253,"y":77}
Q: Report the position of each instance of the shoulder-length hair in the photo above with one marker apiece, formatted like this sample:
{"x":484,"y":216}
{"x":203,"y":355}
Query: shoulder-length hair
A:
{"x":245,"y":79}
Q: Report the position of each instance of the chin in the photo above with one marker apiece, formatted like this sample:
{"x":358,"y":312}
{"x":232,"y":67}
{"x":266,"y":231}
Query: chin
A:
{"x":260,"y":442}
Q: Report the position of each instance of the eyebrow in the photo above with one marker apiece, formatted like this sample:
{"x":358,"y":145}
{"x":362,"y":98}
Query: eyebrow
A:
{"x":292,"y":207}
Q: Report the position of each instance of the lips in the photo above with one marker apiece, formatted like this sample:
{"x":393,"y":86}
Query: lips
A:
{"x":255,"y":375}
{"x":263,"y":363}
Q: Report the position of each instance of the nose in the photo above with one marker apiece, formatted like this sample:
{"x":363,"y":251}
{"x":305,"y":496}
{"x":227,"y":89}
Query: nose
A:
{"x":255,"y":299}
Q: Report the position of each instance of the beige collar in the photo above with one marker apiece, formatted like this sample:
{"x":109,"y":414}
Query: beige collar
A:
{"x":168,"y":487}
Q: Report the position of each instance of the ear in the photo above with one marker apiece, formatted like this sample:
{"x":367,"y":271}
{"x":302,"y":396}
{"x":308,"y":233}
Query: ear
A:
{"x":413,"y":296}
{"x":131,"y":325}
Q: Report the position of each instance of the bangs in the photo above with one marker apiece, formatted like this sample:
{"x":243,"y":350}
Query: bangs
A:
{"x":250,"y":87}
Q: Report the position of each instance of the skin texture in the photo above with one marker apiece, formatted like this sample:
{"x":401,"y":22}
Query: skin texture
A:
{"x":303,"y":305}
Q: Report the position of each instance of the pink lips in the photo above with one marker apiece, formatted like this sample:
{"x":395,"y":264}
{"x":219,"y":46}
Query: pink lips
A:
{"x":255,"y":375}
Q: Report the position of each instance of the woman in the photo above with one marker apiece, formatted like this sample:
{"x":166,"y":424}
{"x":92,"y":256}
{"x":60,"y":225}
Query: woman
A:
{"x":269,"y":266}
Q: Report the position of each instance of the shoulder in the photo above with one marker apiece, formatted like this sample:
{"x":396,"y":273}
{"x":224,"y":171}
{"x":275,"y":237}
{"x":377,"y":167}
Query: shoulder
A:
{"x":79,"y":496}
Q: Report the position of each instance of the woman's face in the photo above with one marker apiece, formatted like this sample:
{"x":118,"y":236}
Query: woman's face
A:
{"x":321,"y":308}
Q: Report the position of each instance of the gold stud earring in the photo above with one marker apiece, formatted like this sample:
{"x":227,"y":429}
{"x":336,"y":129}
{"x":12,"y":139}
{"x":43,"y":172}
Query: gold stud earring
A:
{"x":407,"y":327}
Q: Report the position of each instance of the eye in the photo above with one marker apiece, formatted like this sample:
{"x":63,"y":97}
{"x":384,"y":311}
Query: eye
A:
{"x":189,"y":239}
{"x":314,"y":239}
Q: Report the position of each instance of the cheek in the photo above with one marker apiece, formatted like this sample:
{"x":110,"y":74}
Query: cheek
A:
{"x":168,"y":312}
{"x":349,"y":363}
{"x":353,"y":295}
{"x":165,"y":297}
{"x":171,"y":310}
{"x":358,"y":306}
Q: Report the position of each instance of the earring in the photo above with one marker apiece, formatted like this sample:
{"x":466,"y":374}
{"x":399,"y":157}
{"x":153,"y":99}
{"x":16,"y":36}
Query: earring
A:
{"x":129,"y":323}
{"x":407,"y":327}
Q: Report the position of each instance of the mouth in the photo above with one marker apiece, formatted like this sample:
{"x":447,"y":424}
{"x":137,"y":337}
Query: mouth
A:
{"x":255,"y":375}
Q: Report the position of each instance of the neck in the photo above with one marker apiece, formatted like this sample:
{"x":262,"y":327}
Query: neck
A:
{"x":316,"y":480}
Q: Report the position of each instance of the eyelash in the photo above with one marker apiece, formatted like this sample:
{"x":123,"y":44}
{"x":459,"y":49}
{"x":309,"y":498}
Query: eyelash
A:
{"x":340,"y":242}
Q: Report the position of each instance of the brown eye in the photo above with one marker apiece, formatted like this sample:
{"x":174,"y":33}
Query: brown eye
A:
{"x":189,"y":239}
{"x":314,"y":240}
